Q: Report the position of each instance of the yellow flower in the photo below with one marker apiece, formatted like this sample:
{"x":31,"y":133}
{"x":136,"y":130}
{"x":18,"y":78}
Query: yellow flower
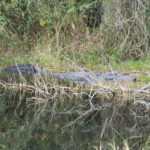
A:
{"x":42,"y":22}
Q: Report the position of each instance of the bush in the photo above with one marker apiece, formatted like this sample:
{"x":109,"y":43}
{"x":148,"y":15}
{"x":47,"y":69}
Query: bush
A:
{"x":24,"y":20}
{"x":126,"y":29}
{"x":124,"y":26}
{"x":29,"y":18}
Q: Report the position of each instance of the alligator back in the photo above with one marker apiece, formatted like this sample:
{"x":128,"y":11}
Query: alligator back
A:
{"x":81,"y":77}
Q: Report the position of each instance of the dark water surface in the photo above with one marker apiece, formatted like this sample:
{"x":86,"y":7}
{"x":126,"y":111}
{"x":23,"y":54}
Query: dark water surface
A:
{"x":73,"y":123}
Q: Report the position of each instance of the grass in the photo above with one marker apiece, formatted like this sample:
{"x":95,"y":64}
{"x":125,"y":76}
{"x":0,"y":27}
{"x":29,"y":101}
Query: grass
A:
{"x":89,"y":62}
{"x":42,"y":113}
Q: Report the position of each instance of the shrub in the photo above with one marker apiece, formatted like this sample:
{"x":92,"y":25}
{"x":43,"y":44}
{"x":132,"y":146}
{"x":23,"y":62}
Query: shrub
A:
{"x":126,"y":29}
{"x":23,"y":20}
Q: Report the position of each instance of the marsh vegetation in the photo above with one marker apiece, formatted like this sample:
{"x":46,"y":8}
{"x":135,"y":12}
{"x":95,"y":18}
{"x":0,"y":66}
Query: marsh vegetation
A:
{"x":40,"y":112}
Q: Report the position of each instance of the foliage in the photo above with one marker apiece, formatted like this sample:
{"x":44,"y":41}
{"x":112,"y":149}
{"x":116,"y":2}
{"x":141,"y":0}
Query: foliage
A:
{"x":62,"y":35}
{"x":27,"y":20}
{"x":123,"y":28}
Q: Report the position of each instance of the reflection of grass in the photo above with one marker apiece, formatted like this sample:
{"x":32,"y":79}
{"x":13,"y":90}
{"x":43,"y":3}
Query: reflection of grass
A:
{"x":68,"y":45}
{"x":22,"y":133}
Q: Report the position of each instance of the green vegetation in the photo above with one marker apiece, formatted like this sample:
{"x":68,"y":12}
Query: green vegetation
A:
{"x":64,"y":35}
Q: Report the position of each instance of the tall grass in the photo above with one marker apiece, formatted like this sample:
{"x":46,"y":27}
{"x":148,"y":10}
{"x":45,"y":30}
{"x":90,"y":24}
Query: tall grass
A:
{"x":44,"y":113}
{"x":124,"y":27}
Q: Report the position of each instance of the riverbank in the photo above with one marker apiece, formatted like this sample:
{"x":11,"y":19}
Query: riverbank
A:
{"x":44,"y":113}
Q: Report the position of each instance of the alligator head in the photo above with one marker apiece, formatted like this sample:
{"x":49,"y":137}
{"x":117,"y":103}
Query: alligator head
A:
{"x":23,"y":69}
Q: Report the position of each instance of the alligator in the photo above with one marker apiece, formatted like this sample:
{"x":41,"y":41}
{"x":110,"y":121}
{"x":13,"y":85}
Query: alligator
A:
{"x":80,"y":77}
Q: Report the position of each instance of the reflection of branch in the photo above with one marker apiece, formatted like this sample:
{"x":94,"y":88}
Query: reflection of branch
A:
{"x":80,"y":117}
